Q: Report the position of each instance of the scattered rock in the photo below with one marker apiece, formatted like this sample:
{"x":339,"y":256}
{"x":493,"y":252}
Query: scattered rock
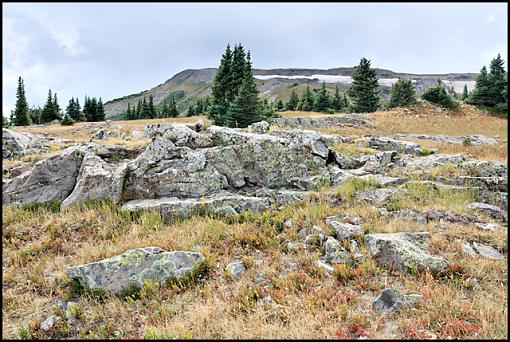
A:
{"x":404,"y":251}
{"x":491,"y":210}
{"x":344,"y":231}
{"x":260,"y":127}
{"x":104,"y":134}
{"x":325,"y":265}
{"x":488,"y":251}
{"x":377,"y":197}
{"x":129,"y":270}
{"x":335,"y":253}
{"x":19,"y":144}
{"x":235,"y":269}
{"x":452,"y":139}
{"x":49,"y":322}
{"x":393,"y":300}
{"x":388,"y":144}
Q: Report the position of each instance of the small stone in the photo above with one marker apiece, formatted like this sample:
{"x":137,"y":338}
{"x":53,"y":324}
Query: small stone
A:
{"x":235,"y":269}
{"x":392,"y":300}
{"x":325,"y":265}
{"x":487,"y":226}
{"x":287,"y":224}
{"x":49,"y":322}
{"x":467,"y":249}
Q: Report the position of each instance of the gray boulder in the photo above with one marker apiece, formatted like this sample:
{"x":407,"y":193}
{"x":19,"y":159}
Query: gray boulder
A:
{"x":392,"y":300}
{"x":19,"y":144}
{"x":179,"y":134}
{"x":488,"y":251}
{"x":97,"y":180}
{"x":377,"y":197}
{"x":130,"y":270}
{"x":404,"y":252}
{"x":491,"y":210}
{"x":388,"y":144}
{"x":261,"y":127}
{"x":51,"y":179}
{"x":344,"y":231}
{"x":335,"y":253}
{"x":235,"y":269}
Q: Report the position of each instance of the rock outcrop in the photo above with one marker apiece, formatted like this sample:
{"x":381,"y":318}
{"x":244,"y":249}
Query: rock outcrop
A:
{"x":17,"y":144}
{"x":351,"y":120}
{"x":452,"y":139}
{"x":130,"y":270}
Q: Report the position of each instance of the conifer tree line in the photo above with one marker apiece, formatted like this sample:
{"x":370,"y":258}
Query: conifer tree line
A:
{"x":235,"y":100}
{"x":200,"y":107}
{"x":22,"y":115}
{"x":317,"y":100}
{"x":145,"y":109}
{"x":490,"y":86}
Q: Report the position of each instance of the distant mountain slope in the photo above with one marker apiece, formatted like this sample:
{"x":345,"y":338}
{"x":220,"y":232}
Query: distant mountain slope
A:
{"x":274,"y":84}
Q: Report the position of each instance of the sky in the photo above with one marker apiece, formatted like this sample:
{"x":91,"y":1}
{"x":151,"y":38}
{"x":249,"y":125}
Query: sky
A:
{"x":110,"y":50}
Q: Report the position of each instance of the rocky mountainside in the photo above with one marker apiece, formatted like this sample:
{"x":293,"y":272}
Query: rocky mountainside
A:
{"x":275,"y":84}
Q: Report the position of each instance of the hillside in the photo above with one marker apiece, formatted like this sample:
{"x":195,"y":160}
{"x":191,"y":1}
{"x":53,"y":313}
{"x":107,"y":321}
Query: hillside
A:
{"x":275,"y":84}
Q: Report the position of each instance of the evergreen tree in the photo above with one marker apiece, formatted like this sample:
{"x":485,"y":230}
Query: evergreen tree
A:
{"x":145,"y":113}
{"x":321,"y":103}
{"x":56,"y":107}
{"x":307,"y":101}
{"x":173,"y":112}
{"x":191,"y":110}
{"x":481,"y":95}
{"x":497,"y":81}
{"x":128,"y":115}
{"x":67,"y":121}
{"x":279,"y":105}
{"x":345,"y":102}
{"x":237,"y":72}
{"x":5,"y":123}
{"x":364,"y":90}
{"x":337,"y":102}
{"x":49,"y":112}
{"x":245,"y":109}
{"x":93,"y":109}
{"x":439,"y":95}
{"x":100,"y":115}
{"x":465,"y":93}
{"x":402,"y":94}
{"x":199,"y":107}
{"x":21,"y":115}
{"x":139,"y":110}
{"x":151,"y":108}
{"x":293,"y":101}
{"x":35,"y":115}
{"x":220,"y":88}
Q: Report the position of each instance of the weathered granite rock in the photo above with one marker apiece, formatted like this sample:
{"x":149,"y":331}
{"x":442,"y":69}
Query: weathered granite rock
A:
{"x":452,"y":139}
{"x":384,"y":181}
{"x":494,"y":183}
{"x":260,"y":127}
{"x":129,"y":270}
{"x":441,"y":215}
{"x":388,"y":144}
{"x":431,"y":161}
{"x":337,"y":176}
{"x":467,"y":249}
{"x":406,"y":214}
{"x":344,"y":231}
{"x":166,"y":170}
{"x":353,"y":119}
{"x":97,"y":180}
{"x":393,"y":300}
{"x":488,"y":251}
{"x":377,"y":197}
{"x":18,"y":144}
{"x":491,"y":210}
{"x":49,"y":322}
{"x":179,"y":134}
{"x":404,"y":252}
{"x":319,"y":144}
{"x":235,"y":269}
{"x":487,"y":226}
{"x":51,"y":179}
{"x":104,"y":134}
{"x":348,"y":161}
{"x":484,"y":168}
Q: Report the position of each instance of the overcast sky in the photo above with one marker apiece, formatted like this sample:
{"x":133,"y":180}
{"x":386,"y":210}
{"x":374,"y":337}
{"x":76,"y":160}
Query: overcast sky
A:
{"x":112,"y":50}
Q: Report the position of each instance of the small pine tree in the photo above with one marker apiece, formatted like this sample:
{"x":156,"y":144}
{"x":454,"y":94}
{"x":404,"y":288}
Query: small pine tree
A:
{"x":321,"y":103}
{"x":481,"y":95}
{"x":307,"y":101}
{"x":67,"y":121}
{"x":220,"y":88}
{"x":337,"y":102}
{"x":151,"y":108}
{"x":49,"y":110}
{"x":100,"y":115}
{"x":21,"y":115}
{"x":279,"y":105}
{"x":439,"y":95}
{"x":402,"y":94}
{"x":293,"y":101}
{"x":191,"y":110}
{"x":465,"y":93}
{"x":173,"y":112}
{"x":364,"y":90}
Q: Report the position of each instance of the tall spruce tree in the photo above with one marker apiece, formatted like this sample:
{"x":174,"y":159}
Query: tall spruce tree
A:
{"x":293,"y":101}
{"x":481,"y":94}
{"x":21,"y":113}
{"x":465,"y":93}
{"x":337,"y":102}
{"x":220,"y":89}
{"x":245,"y":109}
{"x":152,"y":109}
{"x":321,"y":103}
{"x":402,"y":94}
{"x":279,"y":105}
{"x":238,"y":68}
{"x":364,"y":90}
{"x":497,"y":80}
{"x":307,"y":100}
{"x":49,"y":112}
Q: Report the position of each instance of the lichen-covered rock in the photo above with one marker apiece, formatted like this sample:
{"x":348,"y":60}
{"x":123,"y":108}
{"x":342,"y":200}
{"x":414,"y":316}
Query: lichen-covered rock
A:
{"x":97,"y":180}
{"x":430,"y":161}
{"x":179,"y":134}
{"x":235,"y":269}
{"x":441,"y":215}
{"x":18,"y":144}
{"x":406,"y":214}
{"x":389,"y":144}
{"x":337,"y":176}
{"x":51,"y":179}
{"x":353,"y":120}
{"x":404,"y":252}
{"x":104,"y":134}
{"x":484,"y":168}
{"x":318,"y":143}
{"x":488,"y":251}
{"x":260,"y":127}
{"x":173,"y":207}
{"x":452,"y":139}
{"x":344,"y":231}
{"x":349,"y":162}
{"x":491,"y":210}
{"x":335,"y":253}
{"x":393,"y":300}
{"x":377,"y":197}
{"x":130,"y":270}
{"x":384,"y":181}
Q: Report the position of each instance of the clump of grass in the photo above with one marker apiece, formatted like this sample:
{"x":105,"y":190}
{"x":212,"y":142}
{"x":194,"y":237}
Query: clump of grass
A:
{"x":352,"y":185}
{"x":353,"y":150}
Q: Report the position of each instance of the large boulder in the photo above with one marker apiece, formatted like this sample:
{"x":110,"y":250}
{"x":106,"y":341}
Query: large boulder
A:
{"x":377,"y":197}
{"x":404,"y":252}
{"x":491,"y":210}
{"x":166,"y":170}
{"x":51,"y":179}
{"x":352,"y":120}
{"x":97,"y":180}
{"x":123,"y":273}
{"x":388,"y":144}
{"x":19,"y":144}
{"x":260,"y":127}
{"x":343,"y":230}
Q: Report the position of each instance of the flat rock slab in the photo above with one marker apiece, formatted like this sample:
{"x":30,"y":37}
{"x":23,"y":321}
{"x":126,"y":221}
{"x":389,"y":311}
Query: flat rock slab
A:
{"x":353,"y":119}
{"x":377,"y":197}
{"x":404,"y":252}
{"x":344,"y":230}
{"x":129,"y":270}
{"x":488,"y":251}
{"x":452,"y":139}
{"x":491,"y":210}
